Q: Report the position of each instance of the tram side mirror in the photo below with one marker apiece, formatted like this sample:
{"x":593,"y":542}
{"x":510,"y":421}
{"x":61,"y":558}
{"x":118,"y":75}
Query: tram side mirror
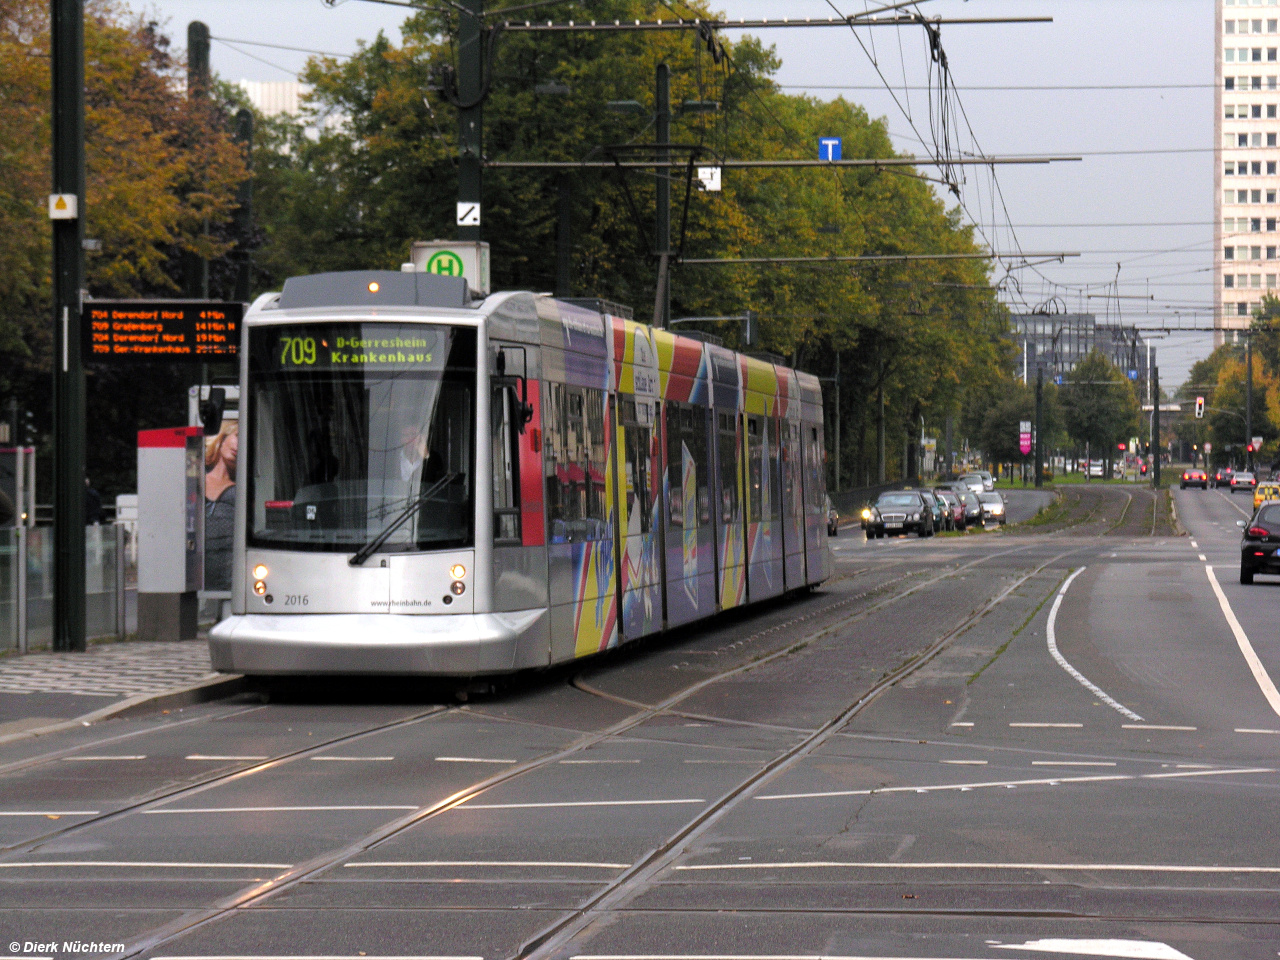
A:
{"x":525,"y":408}
{"x":211,"y":411}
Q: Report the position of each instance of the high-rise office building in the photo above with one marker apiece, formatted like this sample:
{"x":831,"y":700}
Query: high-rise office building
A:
{"x":1245,"y":176}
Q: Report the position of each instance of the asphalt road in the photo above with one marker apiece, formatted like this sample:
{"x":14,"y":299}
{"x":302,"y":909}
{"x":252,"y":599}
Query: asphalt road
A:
{"x":1045,"y":741}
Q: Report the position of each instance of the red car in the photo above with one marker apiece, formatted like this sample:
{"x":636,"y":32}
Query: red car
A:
{"x":1195,"y":478}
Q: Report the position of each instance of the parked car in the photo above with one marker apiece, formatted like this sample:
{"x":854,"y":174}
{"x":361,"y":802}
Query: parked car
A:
{"x":1221,"y":477}
{"x":1095,"y":468}
{"x":992,"y":507}
{"x":1260,"y":543}
{"x":941,"y":515}
{"x":900,"y":512}
{"x":1264,"y":491}
{"x":972,"y":505}
{"x":1242,"y":480}
{"x":988,"y":482}
{"x":955,"y":505}
{"x":1194,"y":478}
{"x":974,"y":482}
{"x":833,"y":520}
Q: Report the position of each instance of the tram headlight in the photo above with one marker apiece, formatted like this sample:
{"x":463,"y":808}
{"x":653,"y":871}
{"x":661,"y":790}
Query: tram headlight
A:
{"x":457,"y":571}
{"x":260,"y":572}
{"x":458,"y":588}
{"x":260,"y":587}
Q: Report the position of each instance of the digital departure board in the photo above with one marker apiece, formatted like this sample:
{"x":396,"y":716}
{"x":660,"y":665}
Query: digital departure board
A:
{"x":164,"y":330}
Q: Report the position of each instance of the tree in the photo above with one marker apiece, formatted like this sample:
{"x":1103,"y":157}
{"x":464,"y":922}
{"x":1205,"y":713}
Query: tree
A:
{"x":161,"y":178}
{"x":1099,"y":407}
{"x":358,"y":194}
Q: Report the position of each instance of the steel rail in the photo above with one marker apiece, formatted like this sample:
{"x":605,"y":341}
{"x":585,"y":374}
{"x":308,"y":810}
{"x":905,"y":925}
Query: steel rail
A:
{"x":300,"y":873}
{"x":554,"y":939}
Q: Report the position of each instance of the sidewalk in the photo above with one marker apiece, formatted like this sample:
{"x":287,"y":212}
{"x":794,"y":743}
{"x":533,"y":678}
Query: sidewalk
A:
{"x":40,"y":689}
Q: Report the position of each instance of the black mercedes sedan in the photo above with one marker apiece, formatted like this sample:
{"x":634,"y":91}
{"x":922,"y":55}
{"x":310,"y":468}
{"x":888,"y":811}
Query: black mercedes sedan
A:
{"x":901,"y":511}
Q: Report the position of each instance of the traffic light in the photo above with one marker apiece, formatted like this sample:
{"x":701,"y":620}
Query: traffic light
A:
{"x":1199,"y":408}
{"x":1249,"y":447}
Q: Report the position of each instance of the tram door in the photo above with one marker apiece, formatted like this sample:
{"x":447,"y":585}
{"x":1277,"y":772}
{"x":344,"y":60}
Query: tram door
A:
{"x":690,"y":540}
{"x":639,"y":542}
{"x":815,"y":492}
{"x":729,"y":512}
{"x":793,"y":504}
{"x":763,"y":509}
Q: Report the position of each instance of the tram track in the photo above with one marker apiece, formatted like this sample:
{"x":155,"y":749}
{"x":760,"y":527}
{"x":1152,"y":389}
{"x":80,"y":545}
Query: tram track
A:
{"x":301,"y":873}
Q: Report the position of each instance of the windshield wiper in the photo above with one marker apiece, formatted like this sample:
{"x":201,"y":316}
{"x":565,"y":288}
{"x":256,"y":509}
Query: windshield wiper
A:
{"x":368,"y":550}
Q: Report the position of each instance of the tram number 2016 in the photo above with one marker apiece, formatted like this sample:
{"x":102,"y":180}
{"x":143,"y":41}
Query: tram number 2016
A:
{"x":297,"y":350}
{"x":296,"y":599}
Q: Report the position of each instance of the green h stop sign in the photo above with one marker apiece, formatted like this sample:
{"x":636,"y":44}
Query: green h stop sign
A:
{"x":445,"y":263}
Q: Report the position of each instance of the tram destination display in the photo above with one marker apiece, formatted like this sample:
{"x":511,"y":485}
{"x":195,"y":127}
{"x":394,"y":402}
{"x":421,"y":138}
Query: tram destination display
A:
{"x":166,"y":330}
{"x":395,"y":347}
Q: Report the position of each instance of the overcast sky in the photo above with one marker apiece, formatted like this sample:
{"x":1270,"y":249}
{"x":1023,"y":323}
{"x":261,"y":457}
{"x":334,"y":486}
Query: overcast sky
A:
{"x":1132,"y":93}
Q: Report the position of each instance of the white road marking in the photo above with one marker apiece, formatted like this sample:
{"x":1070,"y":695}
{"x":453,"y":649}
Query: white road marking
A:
{"x":48,"y":813}
{"x":1054,"y":781}
{"x":1202,"y":556}
{"x":1195,"y":545}
{"x":1133,"y":949}
{"x":471,"y":760}
{"x":1242,"y":640}
{"x":572,"y":762}
{"x":1152,"y":726}
{"x":278,"y":809}
{"x":573,"y":864}
{"x":1254,"y":730}
{"x":967,"y":763}
{"x":572,"y":803}
{"x":1074,"y":726}
{"x":218,"y":756}
{"x":136,"y":756}
{"x":353,"y":759}
{"x":314,"y":956}
{"x":961,"y":724}
{"x":148,"y":865}
{"x":1052,"y":640}
{"x":898,"y":865}
{"x":1073,"y":763}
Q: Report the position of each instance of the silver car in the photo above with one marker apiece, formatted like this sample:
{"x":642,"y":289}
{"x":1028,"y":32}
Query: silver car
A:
{"x":988,"y":484}
{"x":992,"y":507}
{"x":974,"y":482}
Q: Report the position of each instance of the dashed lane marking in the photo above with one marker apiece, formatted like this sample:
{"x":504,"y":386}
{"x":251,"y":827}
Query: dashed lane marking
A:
{"x":144,"y":865}
{"x":306,"y":809}
{"x":220,"y":756}
{"x":572,"y":803}
{"x":1202,"y":556}
{"x":1073,"y":763}
{"x":967,"y":763}
{"x":1052,"y":640}
{"x":1152,"y":726}
{"x":1242,"y":641}
{"x":960,"y":724}
{"x":48,"y":813}
{"x":1047,"y":781}
{"x":549,"y":864}
{"x":352,"y":759}
{"x":1255,"y":730}
{"x":900,"y":865}
{"x":133,"y":756}
{"x":471,"y":760}
{"x":584,"y":762}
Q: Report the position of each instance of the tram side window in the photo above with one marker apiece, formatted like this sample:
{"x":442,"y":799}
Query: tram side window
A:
{"x":688,"y":472}
{"x":727,"y":449}
{"x":793,"y":469}
{"x":636,"y":459}
{"x":755,"y":469}
{"x":574,"y":454}
{"x":505,"y":437}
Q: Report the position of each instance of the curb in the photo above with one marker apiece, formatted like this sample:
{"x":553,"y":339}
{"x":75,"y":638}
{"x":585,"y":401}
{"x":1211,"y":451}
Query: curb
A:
{"x":211,"y":688}
{"x":1178,"y":529}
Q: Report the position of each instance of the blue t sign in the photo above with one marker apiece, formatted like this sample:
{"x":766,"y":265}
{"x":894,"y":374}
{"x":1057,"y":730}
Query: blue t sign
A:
{"x":829,"y":148}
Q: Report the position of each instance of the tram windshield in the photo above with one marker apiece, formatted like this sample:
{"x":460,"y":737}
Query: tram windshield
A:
{"x":357,"y":428}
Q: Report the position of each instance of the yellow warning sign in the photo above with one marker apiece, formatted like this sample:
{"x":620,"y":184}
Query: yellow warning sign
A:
{"x":63,"y":206}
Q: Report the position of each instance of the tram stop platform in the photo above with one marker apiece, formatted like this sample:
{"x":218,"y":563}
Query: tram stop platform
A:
{"x":40,"y":692}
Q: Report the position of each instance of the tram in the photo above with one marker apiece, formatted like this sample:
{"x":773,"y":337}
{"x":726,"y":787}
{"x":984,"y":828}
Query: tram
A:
{"x":436,"y":485}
